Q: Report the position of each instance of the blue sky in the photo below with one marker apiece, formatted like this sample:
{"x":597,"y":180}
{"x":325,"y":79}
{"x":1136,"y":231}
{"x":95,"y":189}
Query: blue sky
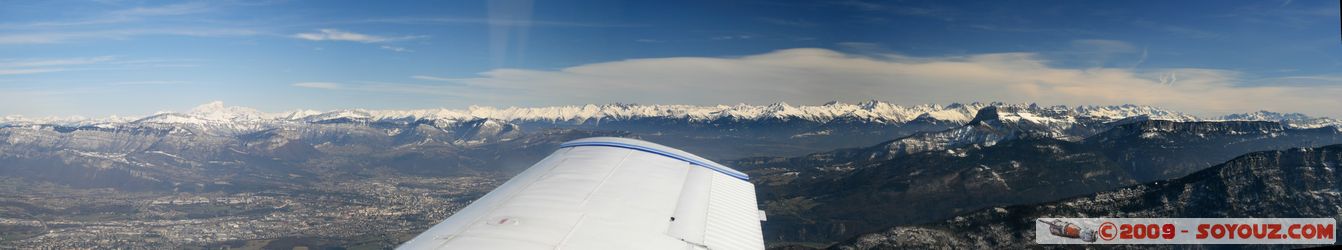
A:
{"x":137,"y":57}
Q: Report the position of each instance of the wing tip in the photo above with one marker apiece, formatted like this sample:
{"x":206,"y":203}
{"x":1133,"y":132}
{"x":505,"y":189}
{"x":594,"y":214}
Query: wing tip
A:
{"x":645,"y":146}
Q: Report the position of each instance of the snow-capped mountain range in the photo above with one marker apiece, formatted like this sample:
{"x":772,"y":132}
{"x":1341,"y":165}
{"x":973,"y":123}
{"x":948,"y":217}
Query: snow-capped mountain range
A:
{"x":869,"y":111}
{"x":1005,"y":154}
{"x":998,"y":123}
{"x":775,"y":129}
{"x":851,"y":155}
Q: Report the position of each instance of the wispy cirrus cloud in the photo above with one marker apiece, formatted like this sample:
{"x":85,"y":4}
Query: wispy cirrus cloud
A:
{"x":149,"y":82}
{"x":788,"y":22}
{"x":386,"y":87}
{"x":54,"y":62}
{"x":36,"y":66}
{"x":433,"y":78}
{"x":319,"y":85}
{"x":493,"y":22}
{"x":732,"y":37}
{"x":115,"y":34}
{"x":25,"y":66}
{"x":927,"y":11}
{"x":1309,"y":80}
{"x":1180,"y":30}
{"x":29,"y":71}
{"x":395,"y":48}
{"x":139,"y":13}
{"x":340,"y":35}
{"x":165,"y":10}
{"x":179,"y":19}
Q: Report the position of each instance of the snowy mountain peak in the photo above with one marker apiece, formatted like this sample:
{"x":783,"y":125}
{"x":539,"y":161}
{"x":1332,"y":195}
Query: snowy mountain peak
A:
{"x":209,"y":107}
{"x":347,"y":114}
{"x":1294,"y":120}
{"x":300,"y":114}
{"x":779,"y":108}
{"x":871,"y":104}
{"x":1264,"y":115}
{"x":1055,"y":118}
{"x":995,"y":122}
{"x":216,"y":111}
{"x":986,"y":114}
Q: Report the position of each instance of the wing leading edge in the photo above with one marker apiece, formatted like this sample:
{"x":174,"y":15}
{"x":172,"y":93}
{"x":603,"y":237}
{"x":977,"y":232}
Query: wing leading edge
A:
{"x":609,"y":193}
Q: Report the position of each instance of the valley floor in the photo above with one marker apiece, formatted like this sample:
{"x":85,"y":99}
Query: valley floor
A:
{"x":376,"y":213}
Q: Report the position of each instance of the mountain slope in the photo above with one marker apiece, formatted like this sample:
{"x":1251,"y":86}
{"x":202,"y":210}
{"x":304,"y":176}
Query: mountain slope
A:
{"x":1155,"y":150}
{"x":1301,"y":182}
{"x":839,"y":199}
{"x":999,"y":158}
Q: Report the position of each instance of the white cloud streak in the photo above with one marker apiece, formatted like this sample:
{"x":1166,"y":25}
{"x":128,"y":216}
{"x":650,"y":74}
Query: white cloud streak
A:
{"x":798,"y":23}
{"x":26,"y":66}
{"x":119,"y":25}
{"x":29,"y":71}
{"x":395,"y":49}
{"x":340,"y":35}
{"x":1334,"y":80}
{"x":61,"y":37}
{"x":732,"y":37}
{"x":54,"y":62}
{"x":433,"y":78}
{"x":493,"y":22}
{"x":166,"y":10}
{"x":319,"y":85}
{"x":119,"y":16}
{"x":37,"y":66}
{"x":151,"y":82}
{"x":383,"y":87}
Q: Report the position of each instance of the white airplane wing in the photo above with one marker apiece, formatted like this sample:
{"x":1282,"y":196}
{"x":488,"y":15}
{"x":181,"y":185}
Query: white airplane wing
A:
{"x":609,"y":193}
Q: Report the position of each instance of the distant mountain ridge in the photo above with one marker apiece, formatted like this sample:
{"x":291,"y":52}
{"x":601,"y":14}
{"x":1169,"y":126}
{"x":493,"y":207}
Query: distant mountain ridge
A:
{"x":1293,"y":120}
{"x":871,"y":111}
{"x":722,"y":132}
{"x":1004,"y":155}
{"x":777,"y":129}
